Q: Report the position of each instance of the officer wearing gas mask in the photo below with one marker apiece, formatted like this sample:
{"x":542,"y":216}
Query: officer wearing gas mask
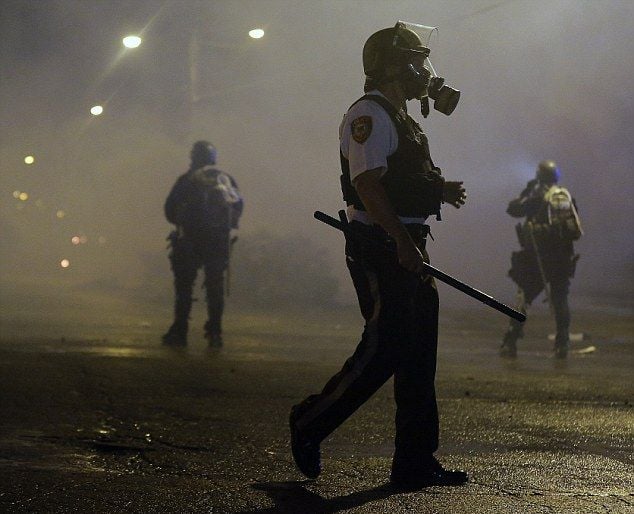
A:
{"x":205,"y":205}
{"x":547,"y":260}
{"x":391,"y":186}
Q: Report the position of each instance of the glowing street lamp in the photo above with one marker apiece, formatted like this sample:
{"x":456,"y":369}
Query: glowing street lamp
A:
{"x":256,"y":33}
{"x":96,"y":110}
{"x":132,"y":41}
{"x":64,"y":263}
{"x":29,"y":159}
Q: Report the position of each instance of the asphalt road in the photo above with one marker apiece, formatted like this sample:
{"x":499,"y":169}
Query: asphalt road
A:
{"x":121,"y":424}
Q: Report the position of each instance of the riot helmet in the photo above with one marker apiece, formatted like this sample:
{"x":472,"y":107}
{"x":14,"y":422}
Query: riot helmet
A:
{"x":203,"y":153}
{"x":548,"y":172}
{"x":401,"y":53}
{"x":388,"y":47}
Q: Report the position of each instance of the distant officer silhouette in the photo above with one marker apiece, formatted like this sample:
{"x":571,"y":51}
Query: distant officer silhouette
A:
{"x":547,"y":260}
{"x":205,"y":205}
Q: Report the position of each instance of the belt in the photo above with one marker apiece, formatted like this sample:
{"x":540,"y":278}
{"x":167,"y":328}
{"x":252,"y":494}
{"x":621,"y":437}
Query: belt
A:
{"x":417,"y":231}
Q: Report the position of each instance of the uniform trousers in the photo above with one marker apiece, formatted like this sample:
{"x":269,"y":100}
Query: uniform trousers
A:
{"x":559,"y":287}
{"x":558,"y":265}
{"x":399,"y":339}
{"x":187,"y":257}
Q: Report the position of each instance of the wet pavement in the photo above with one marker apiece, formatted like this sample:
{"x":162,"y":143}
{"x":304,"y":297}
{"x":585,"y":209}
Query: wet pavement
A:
{"x":119,"y":423}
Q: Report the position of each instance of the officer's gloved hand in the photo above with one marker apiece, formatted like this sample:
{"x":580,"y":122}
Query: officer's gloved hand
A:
{"x":409,"y":255}
{"x":517,"y":208}
{"x":454,"y":193}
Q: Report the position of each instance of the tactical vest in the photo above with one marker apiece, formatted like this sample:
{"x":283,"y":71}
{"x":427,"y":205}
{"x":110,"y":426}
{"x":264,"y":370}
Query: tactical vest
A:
{"x":412,"y":183}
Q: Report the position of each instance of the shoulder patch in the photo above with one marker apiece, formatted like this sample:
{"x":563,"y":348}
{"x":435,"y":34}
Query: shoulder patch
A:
{"x":361,"y":129}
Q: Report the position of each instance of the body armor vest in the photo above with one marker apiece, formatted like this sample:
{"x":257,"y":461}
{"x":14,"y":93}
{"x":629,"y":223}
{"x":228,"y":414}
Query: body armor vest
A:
{"x":412,"y":183}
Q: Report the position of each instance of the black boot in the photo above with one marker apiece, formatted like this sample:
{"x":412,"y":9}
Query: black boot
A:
{"x":176,"y":335}
{"x":214,"y":339}
{"x":213,"y":334}
{"x":561,"y":346}
{"x":428,"y":472}
{"x":306,"y":451}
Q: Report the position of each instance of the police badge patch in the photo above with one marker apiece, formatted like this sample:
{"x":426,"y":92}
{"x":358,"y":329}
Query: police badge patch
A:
{"x":361,"y":129}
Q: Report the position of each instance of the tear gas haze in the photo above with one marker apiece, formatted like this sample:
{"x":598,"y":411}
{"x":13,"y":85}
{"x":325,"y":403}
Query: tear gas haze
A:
{"x":539,"y":80}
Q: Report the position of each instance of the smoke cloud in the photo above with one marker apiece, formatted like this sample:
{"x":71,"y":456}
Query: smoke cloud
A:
{"x":539,"y":79}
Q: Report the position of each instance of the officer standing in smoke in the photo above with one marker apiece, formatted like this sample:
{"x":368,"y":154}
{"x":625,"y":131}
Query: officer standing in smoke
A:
{"x":205,"y":205}
{"x":547,"y":260}
{"x":391,"y":186}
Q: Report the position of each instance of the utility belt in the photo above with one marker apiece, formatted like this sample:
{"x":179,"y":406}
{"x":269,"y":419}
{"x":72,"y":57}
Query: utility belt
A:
{"x":417,"y":231}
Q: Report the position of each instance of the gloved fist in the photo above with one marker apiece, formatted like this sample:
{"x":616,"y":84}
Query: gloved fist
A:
{"x":454,"y":193}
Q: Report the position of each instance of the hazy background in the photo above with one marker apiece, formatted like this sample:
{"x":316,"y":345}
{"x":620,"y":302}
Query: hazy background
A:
{"x":539,"y":79}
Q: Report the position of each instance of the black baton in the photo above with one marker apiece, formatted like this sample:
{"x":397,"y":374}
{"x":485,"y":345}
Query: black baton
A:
{"x":434,"y":272}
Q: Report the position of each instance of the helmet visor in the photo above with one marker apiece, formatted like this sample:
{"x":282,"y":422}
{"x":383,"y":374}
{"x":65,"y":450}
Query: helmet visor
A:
{"x":417,"y":39}
{"x":413,"y":36}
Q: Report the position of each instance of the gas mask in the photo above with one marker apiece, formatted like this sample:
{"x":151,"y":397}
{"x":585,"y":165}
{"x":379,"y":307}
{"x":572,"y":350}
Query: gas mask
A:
{"x":421,"y":81}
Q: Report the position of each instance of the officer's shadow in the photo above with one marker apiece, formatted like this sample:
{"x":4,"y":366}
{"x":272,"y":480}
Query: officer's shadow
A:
{"x":293,"y":497}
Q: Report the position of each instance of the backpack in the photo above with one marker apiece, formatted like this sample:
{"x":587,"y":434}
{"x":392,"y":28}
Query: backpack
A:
{"x":219,"y":201}
{"x":562,"y":214}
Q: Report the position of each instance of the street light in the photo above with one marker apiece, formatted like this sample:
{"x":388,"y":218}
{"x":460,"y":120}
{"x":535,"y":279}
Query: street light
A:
{"x":29,"y":159}
{"x":131,"y":41}
{"x":256,"y":33}
{"x":96,"y":110}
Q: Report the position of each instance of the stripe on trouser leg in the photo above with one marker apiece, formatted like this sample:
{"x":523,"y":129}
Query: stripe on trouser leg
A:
{"x":372,"y":333}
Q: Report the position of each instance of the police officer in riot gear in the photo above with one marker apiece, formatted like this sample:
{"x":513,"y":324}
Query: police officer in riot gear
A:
{"x":205,"y":205}
{"x":391,"y":186}
{"x":547,"y":260}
